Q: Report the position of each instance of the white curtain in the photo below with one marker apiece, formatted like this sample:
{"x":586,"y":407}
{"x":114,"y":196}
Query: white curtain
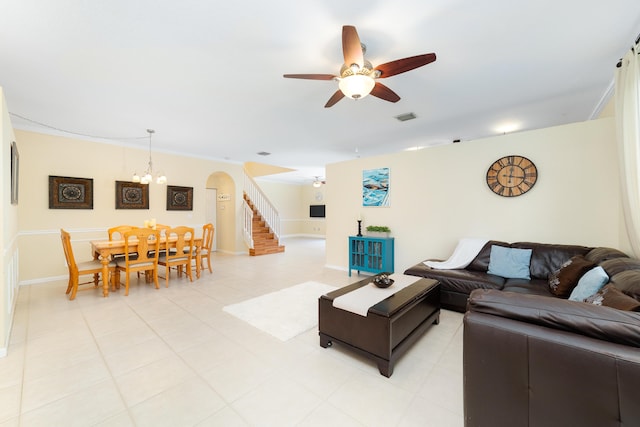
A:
{"x":627,"y":104}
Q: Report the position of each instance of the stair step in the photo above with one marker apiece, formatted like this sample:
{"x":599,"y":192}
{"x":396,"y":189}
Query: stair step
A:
{"x":264,"y":240}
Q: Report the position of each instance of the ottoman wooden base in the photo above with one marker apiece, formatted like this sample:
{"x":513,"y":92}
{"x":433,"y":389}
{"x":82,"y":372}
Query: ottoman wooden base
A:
{"x":390,"y":327}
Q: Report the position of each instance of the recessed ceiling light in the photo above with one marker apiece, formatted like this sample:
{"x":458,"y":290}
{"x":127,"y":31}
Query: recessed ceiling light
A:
{"x":263,"y":153}
{"x":507,"y":127}
{"x":406,"y":116}
{"x":416,"y":148}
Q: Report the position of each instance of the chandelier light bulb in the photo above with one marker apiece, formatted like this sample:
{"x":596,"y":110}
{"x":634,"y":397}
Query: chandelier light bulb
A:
{"x":147,"y":178}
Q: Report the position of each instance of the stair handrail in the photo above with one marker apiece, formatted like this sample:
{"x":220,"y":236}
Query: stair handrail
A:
{"x":262,"y":203}
{"x":247,"y":229}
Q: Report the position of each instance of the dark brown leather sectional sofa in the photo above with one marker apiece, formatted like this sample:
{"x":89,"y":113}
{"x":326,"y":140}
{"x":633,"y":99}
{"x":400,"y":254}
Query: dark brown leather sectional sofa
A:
{"x":531,"y":358}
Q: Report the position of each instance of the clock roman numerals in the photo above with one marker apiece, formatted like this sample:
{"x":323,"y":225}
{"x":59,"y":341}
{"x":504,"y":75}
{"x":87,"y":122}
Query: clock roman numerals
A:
{"x":511,"y":176}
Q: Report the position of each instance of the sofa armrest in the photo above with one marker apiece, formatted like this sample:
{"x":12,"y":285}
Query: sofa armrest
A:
{"x":604,"y":323}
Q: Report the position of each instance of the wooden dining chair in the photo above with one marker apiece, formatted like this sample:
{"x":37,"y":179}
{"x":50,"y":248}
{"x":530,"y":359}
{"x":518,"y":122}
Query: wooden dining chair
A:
{"x":207,"y":244}
{"x":117,"y":232}
{"x":77,"y":269}
{"x":179,"y":249}
{"x":136,"y":255}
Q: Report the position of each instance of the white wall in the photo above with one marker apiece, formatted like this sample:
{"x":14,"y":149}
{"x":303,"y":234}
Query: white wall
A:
{"x":439,"y":195}
{"x":8,"y":232}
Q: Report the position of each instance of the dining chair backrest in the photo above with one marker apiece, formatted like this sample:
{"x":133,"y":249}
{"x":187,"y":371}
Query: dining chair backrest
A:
{"x":139,"y":239}
{"x":207,"y":236}
{"x":181,"y":239}
{"x":117,"y":232}
{"x":162,"y":228}
{"x":207,"y":245}
{"x":68,"y":252}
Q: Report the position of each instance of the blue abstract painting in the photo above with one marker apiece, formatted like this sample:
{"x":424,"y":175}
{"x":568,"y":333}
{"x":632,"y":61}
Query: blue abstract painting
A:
{"x":375,"y":187}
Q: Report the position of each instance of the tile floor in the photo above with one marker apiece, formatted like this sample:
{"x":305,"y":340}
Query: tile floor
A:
{"x":172,"y":357}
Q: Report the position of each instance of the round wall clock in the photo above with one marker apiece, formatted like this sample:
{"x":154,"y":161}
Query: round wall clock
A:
{"x":512,"y":176}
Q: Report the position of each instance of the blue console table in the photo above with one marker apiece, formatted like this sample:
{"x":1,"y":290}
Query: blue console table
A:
{"x":371,"y":254}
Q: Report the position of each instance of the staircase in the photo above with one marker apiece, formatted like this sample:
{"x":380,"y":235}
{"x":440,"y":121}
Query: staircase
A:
{"x":264,"y":240}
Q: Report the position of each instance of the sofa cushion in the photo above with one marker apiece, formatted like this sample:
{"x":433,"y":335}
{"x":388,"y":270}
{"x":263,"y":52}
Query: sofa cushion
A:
{"x":510,"y":263}
{"x":610,"y":296}
{"x":590,"y":283}
{"x":481,"y":261}
{"x":618,"y":265}
{"x":603,"y":323}
{"x":462,"y":281}
{"x":600,"y":254}
{"x":563,"y":280}
{"x":547,"y":258}
{"x":532,"y":287}
{"x":628,"y":282}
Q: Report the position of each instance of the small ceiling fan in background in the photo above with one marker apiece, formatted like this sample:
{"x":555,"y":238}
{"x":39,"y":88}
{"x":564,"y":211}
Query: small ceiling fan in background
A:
{"x":358,"y":78}
{"x":317,"y":183}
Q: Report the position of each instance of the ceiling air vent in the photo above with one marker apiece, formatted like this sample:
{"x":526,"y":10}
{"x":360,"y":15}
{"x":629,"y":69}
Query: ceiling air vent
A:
{"x":263,"y":153}
{"x":406,"y":116}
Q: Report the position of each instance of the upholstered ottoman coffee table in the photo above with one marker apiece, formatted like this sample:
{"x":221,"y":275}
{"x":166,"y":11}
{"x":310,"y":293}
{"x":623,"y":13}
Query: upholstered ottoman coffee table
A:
{"x":382,"y":330}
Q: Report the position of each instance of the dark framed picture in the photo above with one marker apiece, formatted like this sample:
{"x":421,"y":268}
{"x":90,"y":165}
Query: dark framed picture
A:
{"x":179,"y":198}
{"x":70,"y":193}
{"x":132,"y":195}
{"x":15,"y":160}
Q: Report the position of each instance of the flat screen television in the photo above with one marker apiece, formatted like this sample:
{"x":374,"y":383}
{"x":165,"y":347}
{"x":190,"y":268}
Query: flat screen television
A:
{"x":316,"y":211}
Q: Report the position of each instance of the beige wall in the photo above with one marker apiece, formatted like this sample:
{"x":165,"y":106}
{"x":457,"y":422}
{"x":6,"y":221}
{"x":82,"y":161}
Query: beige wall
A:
{"x":439,"y":195}
{"x":8,"y":232}
{"x":43,"y":155}
{"x":292,"y":202}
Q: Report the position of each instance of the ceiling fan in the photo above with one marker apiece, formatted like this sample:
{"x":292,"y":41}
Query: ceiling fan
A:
{"x":358,"y":78}
{"x":317,"y":183}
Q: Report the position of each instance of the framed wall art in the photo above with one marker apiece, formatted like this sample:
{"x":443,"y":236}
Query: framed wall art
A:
{"x":70,"y":193}
{"x":132,"y":195}
{"x":375,"y":187}
{"x":15,"y":160}
{"x":179,"y":198}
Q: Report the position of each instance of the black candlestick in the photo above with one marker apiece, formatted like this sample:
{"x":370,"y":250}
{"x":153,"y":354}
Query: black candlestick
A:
{"x":359,"y":228}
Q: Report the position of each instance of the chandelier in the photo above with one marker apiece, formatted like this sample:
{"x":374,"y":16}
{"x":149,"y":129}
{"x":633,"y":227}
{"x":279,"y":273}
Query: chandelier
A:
{"x":147,"y":177}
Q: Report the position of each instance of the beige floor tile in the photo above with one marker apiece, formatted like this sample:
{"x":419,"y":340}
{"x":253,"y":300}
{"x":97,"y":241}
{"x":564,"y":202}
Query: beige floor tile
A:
{"x":272,"y":403}
{"x":371,"y":399}
{"x":426,"y":414}
{"x":443,"y":387}
{"x":226,"y":417}
{"x":328,"y":415}
{"x":59,"y":383}
{"x":86,"y":407}
{"x":183,"y":405}
{"x":142,"y":383}
{"x":238,"y":377}
{"x":10,"y":399}
{"x":132,"y":357}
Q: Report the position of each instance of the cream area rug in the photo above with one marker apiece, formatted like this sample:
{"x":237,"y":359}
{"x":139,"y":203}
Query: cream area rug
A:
{"x":284,"y":313}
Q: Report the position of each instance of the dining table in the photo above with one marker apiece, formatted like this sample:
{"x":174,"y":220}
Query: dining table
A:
{"x":103,"y":250}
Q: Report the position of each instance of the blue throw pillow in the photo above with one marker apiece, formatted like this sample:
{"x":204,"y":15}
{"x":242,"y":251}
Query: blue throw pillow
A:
{"x":590,"y":283}
{"x":511,"y":263}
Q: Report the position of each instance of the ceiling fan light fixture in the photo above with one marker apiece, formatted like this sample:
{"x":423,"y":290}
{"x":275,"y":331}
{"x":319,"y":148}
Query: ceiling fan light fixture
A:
{"x":356,"y":86}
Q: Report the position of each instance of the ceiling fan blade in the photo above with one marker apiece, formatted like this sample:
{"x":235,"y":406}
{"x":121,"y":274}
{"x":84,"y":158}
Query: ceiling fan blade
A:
{"x":351,"y":47}
{"x":383,"y":92}
{"x":403,"y":65}
{"x":334,"y":98}
{"x":310,"y":76}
